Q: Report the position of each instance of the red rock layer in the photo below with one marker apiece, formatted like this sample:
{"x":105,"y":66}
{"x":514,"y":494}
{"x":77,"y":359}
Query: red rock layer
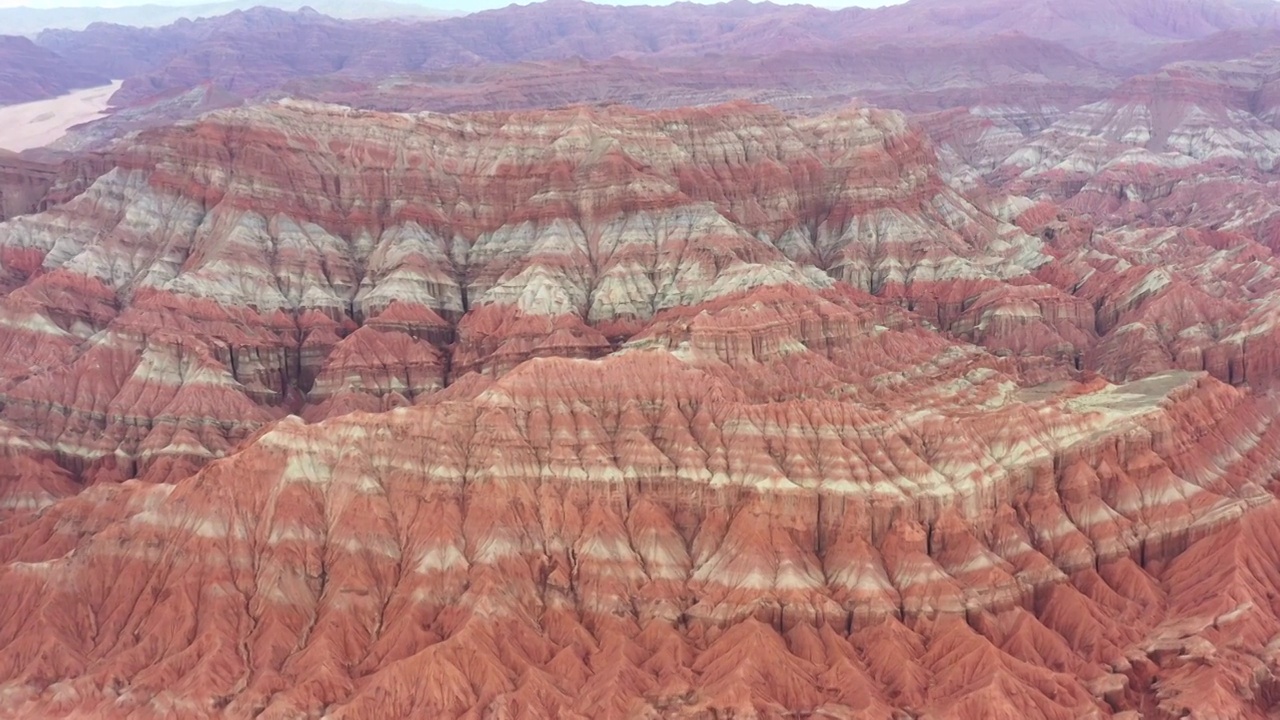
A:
{"x":641,"y":536}
{"x":319,"y":260}
{"x":541,"y":235}
{"x":1163,"y":232}
{"x":1031,"y":64}
{"x":699,"y":413}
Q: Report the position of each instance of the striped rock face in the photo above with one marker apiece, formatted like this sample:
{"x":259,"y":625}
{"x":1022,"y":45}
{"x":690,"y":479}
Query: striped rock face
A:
{"x":317,"y":413}
{"x":315,"y":260}
{"x":1195,"y":144}
{"x":1159,"y":206}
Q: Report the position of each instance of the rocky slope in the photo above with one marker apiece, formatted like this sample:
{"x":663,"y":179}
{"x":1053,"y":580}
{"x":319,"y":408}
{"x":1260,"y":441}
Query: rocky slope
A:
{"x":618,"y":413}
{"x":31,"y":21}
{"x":478,"y":241}
{"x":31,"y":182}
{"x":30,"y":72}
{"x":637,"y":536}
{"x":249,"y":51}
{"x":1193,"y":145}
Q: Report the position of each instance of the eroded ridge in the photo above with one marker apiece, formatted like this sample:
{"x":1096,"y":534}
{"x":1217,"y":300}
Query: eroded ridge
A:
{"x":702,"y":413}
{"x":635,"y":535}
{"x":311,"y":259}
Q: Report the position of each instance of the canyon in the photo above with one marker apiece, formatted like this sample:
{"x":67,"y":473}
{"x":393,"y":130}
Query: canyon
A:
{"x":576,"y":361}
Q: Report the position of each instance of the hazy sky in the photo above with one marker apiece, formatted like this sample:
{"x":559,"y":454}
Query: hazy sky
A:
{"x":457,"y":4}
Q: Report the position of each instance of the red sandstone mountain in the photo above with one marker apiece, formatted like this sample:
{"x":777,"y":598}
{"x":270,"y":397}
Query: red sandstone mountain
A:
{"x":30,"y":72}
{"x":31,"y":183}
{"x":250,"y":51}
{"x":601,"y":412}
{"x":1194,"y":145}
{"x":472,"y":245}
{"x":310,"y":411}
{"x":1026,"y":67}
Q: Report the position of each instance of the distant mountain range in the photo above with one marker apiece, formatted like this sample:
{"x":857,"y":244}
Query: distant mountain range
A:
{"x":31,"y":21}
{"x":804,"y":57}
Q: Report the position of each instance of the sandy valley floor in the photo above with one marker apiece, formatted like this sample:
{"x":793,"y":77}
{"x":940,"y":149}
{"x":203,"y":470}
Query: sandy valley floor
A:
{"x":36,"y":124}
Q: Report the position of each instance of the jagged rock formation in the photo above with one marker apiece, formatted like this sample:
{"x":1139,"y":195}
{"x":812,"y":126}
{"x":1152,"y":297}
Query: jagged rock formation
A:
{"x":315,"y":412}
{"x":1191,"y":147}
{"x":29,"y":185}
{"x":212,"y":282}
{"x":233,"y":284}
{"x":641,"y":535}
{"x":619,"y":413}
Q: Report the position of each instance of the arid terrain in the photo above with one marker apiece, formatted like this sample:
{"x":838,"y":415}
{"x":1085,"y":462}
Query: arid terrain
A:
{"x":694,"y":361}
{"x":41,"y":123}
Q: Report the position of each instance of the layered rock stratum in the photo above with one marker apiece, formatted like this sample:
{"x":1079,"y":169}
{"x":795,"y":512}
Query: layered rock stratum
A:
{"x":804,"y":409}
{"x":318,"y":412}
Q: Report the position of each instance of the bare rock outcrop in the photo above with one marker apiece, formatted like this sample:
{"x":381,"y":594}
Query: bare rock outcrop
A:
{"x":308,"y":411}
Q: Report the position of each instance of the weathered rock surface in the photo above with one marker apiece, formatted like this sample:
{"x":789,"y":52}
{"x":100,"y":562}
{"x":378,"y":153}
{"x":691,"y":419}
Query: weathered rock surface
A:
{"x":212,"y":280}
{"x":641,"y":535}
{"x":215,"y":280}
{"x":315,"y":412}
{"x":1167,"y":217}
{"x":621,"y":413}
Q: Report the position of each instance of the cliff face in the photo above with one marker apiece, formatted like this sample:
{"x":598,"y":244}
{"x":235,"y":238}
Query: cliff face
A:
{"x":23,"y":185}
{"x":316,"y":412}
